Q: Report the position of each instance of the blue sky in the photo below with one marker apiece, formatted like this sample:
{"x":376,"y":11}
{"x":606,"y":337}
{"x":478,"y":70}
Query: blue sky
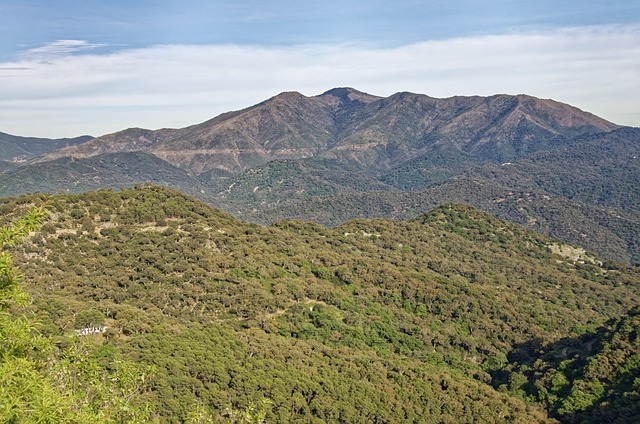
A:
{"x":85,"y":66}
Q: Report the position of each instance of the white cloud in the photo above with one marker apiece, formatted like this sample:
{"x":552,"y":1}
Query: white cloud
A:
{"x":594,"y":68}
{"x":57,"y":49}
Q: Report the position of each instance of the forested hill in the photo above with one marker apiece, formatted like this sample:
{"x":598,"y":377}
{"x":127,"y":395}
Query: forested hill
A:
{"x":591,"y":378}
{"x":576,"y":193}
{"x":372,"y":321}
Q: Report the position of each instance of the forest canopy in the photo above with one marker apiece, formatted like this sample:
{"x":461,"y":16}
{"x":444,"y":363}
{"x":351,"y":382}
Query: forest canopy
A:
{"x":438,"y":319}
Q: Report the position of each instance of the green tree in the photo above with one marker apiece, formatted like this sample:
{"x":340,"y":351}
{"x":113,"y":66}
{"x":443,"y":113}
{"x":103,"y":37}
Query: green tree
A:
{"x":89,"y":317}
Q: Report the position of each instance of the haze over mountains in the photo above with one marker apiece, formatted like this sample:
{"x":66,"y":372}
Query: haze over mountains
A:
{"x":346,"y":154}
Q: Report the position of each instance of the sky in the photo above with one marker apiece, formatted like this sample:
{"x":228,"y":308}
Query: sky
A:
{"x":74,"y":67}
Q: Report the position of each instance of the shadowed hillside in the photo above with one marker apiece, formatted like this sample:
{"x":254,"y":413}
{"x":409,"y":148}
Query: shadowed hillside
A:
{"x":20,"y":149}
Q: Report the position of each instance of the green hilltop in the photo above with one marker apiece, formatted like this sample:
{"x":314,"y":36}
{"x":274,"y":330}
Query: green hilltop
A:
{"x":429,"y":320}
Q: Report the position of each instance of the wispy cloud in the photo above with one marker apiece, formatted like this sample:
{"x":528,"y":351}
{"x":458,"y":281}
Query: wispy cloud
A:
{"x":594,"y":68}
{"x":59,"y":48}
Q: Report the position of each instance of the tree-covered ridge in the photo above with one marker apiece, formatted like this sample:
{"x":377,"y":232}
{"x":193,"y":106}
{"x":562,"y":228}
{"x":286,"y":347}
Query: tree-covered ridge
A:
{"x":115,"y":171}
{"x":373,"y":320}
{"x":287,"y":180}
{"x":576,"y":193}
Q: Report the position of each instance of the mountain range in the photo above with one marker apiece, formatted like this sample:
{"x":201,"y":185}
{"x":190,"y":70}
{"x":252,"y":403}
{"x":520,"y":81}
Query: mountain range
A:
{"x":346,"y":154}
{"x":351,"y":127}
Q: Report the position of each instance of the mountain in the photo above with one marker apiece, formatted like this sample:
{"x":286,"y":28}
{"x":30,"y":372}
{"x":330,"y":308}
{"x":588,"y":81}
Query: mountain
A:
{"x":346,"y":154}
{"x":20,"y":149}
{"x":378,"y":134}
{"x":371,"y":321}
{"x":289,"y":125}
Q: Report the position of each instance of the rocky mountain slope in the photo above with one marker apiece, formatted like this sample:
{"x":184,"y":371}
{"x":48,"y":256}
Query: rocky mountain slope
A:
{"x":376,"y":133}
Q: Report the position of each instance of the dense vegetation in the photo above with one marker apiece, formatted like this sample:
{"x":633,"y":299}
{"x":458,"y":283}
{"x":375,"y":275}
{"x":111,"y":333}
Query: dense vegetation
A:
{"x":46,"y":382}
{"x":593,"y":378}
{"x":574,"y":193}
{"x":371,"y":321}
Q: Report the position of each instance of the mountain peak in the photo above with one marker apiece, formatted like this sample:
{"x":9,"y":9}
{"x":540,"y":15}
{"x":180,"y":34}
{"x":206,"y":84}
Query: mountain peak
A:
{"x":290,"y":94}
{"x":342,"y":92}
{"x":348,"y":95}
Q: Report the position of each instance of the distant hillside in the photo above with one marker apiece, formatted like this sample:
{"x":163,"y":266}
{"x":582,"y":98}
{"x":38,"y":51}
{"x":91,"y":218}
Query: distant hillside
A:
{"x":602,"y":169}
{"x":372,"y":321}
{"x":6,"y":166}
{"x":577,"y":193}
{"x":286,"y":180}
{"x":606,"y":231}
{"x":19,"y":149}
{"x":117,"y":170}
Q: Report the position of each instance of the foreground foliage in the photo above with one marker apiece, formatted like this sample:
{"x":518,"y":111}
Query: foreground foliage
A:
{"x":372,"y":321}
{"x":42,"y":383}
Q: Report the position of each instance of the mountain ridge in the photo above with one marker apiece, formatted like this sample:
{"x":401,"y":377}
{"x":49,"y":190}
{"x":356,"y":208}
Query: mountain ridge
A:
{"x":19,"y":149}
{"x":346,"y":124}
{"x":111,"y":170}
